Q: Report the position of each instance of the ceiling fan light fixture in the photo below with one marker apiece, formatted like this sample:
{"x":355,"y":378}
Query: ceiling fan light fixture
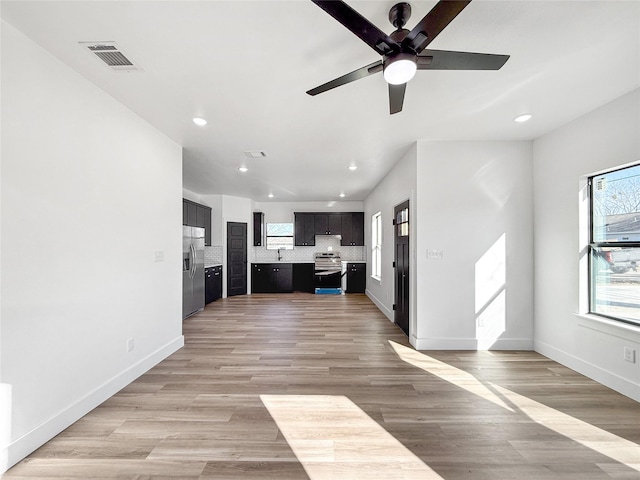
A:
{"x":400,"y":68}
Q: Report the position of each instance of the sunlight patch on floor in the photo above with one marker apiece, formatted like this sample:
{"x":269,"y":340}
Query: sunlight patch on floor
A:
{"x":595,"y":438}
{"x":446,"y":372}
{"x":333,"y":438}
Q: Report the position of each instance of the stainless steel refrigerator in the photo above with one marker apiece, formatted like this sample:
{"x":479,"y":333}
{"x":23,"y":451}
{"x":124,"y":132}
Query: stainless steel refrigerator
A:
{"x":192,"y":270}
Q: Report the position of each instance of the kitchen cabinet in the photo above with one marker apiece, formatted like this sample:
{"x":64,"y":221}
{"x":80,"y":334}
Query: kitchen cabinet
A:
{"x":356,"y":277}
{"x":259,"y":277}
{"x":303,"y":277}
{"x":258,"y":229}
{"x":304,"y":229}
{"x":212,"y":284}
{"x":196,"y":215}
{"x":327,"y":223}
{"x":271,"y":278}
{"x":350,"y":225}
{"x":352,"y":229}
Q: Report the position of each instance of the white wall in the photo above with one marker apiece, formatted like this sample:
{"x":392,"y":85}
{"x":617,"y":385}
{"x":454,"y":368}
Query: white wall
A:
{"x":474,"y":204}
{"x":603,"y":139}
{"x":89,"y":193}
{"x":396,"y":187}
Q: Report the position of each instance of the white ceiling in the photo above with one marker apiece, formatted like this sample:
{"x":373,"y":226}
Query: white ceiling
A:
{"x":245,"y":66}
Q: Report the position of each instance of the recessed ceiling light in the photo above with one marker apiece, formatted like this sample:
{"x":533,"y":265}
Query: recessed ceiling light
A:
{"x":243,"y":169}
{"x":522,"y":118}
{"x":201,"y":122}
{"x":342,"y":195}
{"x":270,"y":195}
{"x":352,"y":167}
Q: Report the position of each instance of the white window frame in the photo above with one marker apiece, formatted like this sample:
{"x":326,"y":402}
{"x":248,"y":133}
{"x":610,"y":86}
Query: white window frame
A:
{"x":596,"y":245}
{"x":376,"y":246}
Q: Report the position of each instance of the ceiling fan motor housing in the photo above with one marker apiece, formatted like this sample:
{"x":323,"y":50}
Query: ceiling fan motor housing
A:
{"x":400,"y":14}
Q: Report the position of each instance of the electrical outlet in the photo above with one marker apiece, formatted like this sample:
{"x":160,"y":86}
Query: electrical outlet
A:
{"x":439,"y":254}
{"x":158,"y":256}
{"x":480,"y":322}
{"x":630,"y":354}
{"x":130,"y":344}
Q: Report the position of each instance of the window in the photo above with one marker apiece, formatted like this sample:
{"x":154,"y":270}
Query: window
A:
{"x":280,"y":236}
{"x":402,"y":223}
{"x":376,"y":245}
{"x":614,"y":245}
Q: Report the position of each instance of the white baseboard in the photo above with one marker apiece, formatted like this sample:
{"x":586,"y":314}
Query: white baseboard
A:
{"x":387,"y":313}
{"x":594,"y":372}
{"x":29,"y":442}
{"x":472,"y":344}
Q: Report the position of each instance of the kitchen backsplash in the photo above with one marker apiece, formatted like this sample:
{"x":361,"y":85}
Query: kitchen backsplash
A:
{"x":305,"y":254}
{"x":213,"y":255}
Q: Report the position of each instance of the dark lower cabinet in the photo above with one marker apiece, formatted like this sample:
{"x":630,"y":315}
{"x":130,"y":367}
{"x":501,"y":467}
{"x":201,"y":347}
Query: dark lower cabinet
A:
{"x":303,"y":277}
{"x":271,"y":277}
{"x":212,"y":284}
{"x":356,"y":277}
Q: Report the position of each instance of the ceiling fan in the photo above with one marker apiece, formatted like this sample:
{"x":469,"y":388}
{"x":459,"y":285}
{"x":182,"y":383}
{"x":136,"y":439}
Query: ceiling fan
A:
{"x":403,"y":51}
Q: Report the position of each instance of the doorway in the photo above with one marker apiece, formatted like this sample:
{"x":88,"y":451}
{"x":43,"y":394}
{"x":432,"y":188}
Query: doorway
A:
{"x":401,"y":264}
{"x":236,"y":258}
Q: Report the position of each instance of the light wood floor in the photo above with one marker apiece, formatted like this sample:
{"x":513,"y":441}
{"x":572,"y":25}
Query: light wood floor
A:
{"x":297,"y":386}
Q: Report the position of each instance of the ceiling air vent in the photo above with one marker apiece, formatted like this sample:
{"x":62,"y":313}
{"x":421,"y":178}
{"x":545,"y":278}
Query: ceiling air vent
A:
{"x":255,"y":154}
{"x":111,"y":55}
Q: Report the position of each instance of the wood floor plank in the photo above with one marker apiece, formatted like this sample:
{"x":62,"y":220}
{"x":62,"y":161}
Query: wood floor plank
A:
{"x":224,"y":407}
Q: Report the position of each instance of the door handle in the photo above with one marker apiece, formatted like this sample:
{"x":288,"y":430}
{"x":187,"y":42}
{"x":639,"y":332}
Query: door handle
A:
{"x":193,"y":250}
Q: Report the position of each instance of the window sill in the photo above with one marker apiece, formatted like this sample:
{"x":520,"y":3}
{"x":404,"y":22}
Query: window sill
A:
{"x":610,"y":327}
{"x":377,"y":279}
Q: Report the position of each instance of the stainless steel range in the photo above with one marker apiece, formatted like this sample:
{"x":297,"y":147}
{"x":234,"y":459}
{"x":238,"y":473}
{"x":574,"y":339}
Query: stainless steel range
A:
{"x":328,"y":269}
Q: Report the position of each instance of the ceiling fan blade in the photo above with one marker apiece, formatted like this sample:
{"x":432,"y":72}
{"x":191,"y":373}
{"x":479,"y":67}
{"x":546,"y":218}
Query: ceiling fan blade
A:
{"x":433,"y":23}
{"x":360,"y":26}
{"x":446,"y":60}
{"x":370,"y":69}
{"x":396,"y":97}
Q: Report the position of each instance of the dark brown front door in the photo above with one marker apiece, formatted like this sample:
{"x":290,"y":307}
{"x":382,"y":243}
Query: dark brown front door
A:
{"x":236,"y":259}
{"x":401,"y":262}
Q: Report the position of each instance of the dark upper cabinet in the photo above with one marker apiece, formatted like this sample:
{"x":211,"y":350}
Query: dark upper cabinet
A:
{"x":196,"y":215}
{"x":349,"y":225}
{"x":357,"y":230}
{"x":258,"y":229}
{"x":327,"y":223}
{"x":271,"y":278}
{"x":192,"y":214}
{"x":304,"y":229}
{"x":335,"y":224}
{"x":207,"y":227}
{"x":321,"y":223}
{"x":352,"y":229}
{"x":356,"y":277}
